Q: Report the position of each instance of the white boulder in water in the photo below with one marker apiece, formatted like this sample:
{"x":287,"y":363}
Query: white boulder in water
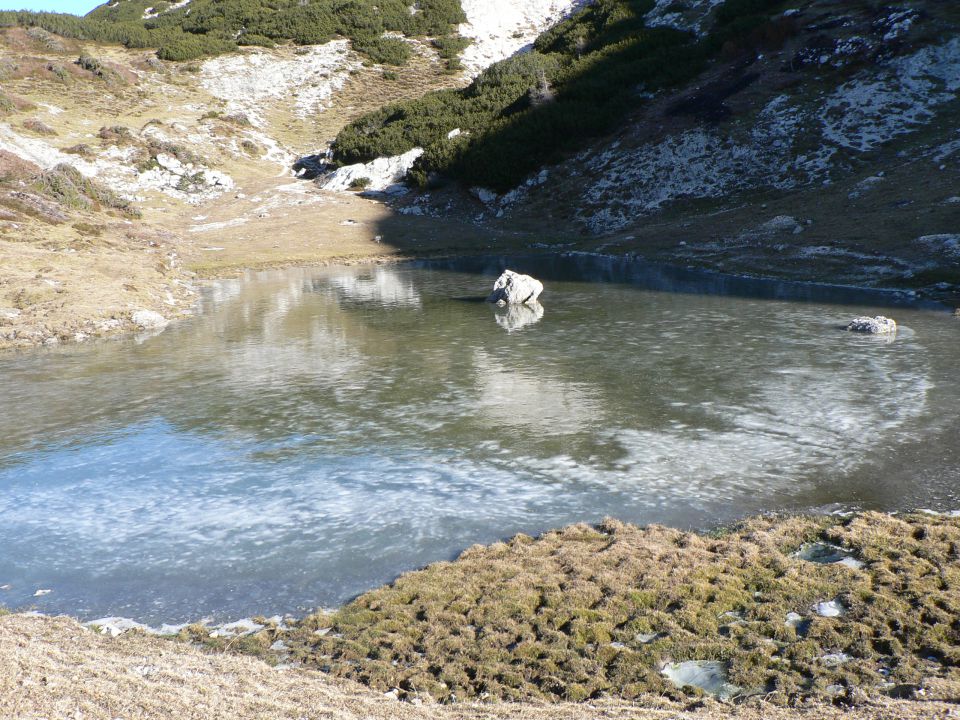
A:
{"x":512,"y":288}
{"x":149,"y":320}
{"x":878,"y":325}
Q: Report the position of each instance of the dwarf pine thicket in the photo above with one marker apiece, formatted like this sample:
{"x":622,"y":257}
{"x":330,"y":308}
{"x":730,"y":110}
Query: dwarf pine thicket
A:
{"x":579,"y":81}
{"x":213,"y":27}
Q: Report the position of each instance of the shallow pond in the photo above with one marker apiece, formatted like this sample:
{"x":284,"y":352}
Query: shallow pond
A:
{"x":313,"y":433}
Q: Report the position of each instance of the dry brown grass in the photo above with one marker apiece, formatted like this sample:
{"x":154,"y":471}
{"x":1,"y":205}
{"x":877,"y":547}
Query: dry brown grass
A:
{"x":55,"y":668}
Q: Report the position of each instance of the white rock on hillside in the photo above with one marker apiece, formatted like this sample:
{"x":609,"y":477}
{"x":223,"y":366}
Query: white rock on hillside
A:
{"x":878,"y":325}
{"x":381,"y":173}
{"x":513,"y":288}
{"x":149,"y":320}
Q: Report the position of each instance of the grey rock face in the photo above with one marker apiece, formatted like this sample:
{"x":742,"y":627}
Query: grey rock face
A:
{"x":878,"y":325}
{"x":513,"y":288}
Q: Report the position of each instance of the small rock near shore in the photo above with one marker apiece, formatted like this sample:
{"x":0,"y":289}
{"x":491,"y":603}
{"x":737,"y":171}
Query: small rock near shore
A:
{"x":878,"y":325}
{"x":149,"y":320}
{"x":512,"y":288}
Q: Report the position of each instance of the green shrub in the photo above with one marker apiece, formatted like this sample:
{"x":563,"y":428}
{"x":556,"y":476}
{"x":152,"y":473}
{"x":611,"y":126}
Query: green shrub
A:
{"x":191,"y":47}
{"x":384,"y":50}
{"x":254,"y":39}
{"x":212,"y":27}
{"x":450,"y":46}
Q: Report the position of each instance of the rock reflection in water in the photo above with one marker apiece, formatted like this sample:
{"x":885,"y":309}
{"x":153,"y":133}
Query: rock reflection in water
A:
{"x":516,"y":317}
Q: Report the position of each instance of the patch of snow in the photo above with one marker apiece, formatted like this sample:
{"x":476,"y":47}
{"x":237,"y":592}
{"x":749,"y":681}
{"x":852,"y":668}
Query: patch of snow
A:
{"x":382,"y":173}
{"x":501,"y":28}
{"x":116,"y":626}
{"x":707,"y":675}
{"x":237,"y":629}
{"x":247,"y":80}
{"x":829,"y":608}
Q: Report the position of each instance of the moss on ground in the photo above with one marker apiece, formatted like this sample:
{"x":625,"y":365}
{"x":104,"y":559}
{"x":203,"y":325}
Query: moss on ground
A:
{"x":569,"y":615}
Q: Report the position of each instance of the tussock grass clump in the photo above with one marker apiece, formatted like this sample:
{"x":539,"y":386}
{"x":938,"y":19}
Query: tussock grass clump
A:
{"x":587,"y":612}
{"x":99,"y":69}
{"x":14,"y":170}
{"x":65,"y":184}
{"x":38,"y":126}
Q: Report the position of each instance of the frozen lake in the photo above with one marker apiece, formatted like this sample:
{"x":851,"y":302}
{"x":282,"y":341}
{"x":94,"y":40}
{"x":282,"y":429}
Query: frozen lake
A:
{"x":314,"y":433}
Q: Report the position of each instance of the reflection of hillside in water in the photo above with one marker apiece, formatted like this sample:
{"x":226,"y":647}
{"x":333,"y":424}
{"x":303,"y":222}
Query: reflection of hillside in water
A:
{"x":661,"y":389}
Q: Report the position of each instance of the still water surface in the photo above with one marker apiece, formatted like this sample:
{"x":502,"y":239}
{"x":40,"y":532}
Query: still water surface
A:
{"x":313,"y":433}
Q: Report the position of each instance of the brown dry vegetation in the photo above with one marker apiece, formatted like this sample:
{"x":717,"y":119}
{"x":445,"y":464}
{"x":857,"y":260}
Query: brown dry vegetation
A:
{"x":56,"y":668}
{"x":78,"y":264}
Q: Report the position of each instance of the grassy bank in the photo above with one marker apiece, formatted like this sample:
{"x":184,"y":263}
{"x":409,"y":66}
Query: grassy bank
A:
{"x":53,"y":667}
{"x":594,"y":612}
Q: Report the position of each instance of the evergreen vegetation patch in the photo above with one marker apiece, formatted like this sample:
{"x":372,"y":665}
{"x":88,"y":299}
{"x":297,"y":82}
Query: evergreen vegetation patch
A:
{"x":212,"y":27}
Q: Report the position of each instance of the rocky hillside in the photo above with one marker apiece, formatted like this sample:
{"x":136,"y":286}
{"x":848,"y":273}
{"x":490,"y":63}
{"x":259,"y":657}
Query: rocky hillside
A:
{"x":732,"y":134}
{"x":809,"y":139}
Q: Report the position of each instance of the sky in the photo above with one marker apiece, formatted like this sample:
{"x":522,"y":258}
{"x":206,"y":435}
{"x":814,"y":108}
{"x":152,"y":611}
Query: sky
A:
{"x":77,"y":7}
